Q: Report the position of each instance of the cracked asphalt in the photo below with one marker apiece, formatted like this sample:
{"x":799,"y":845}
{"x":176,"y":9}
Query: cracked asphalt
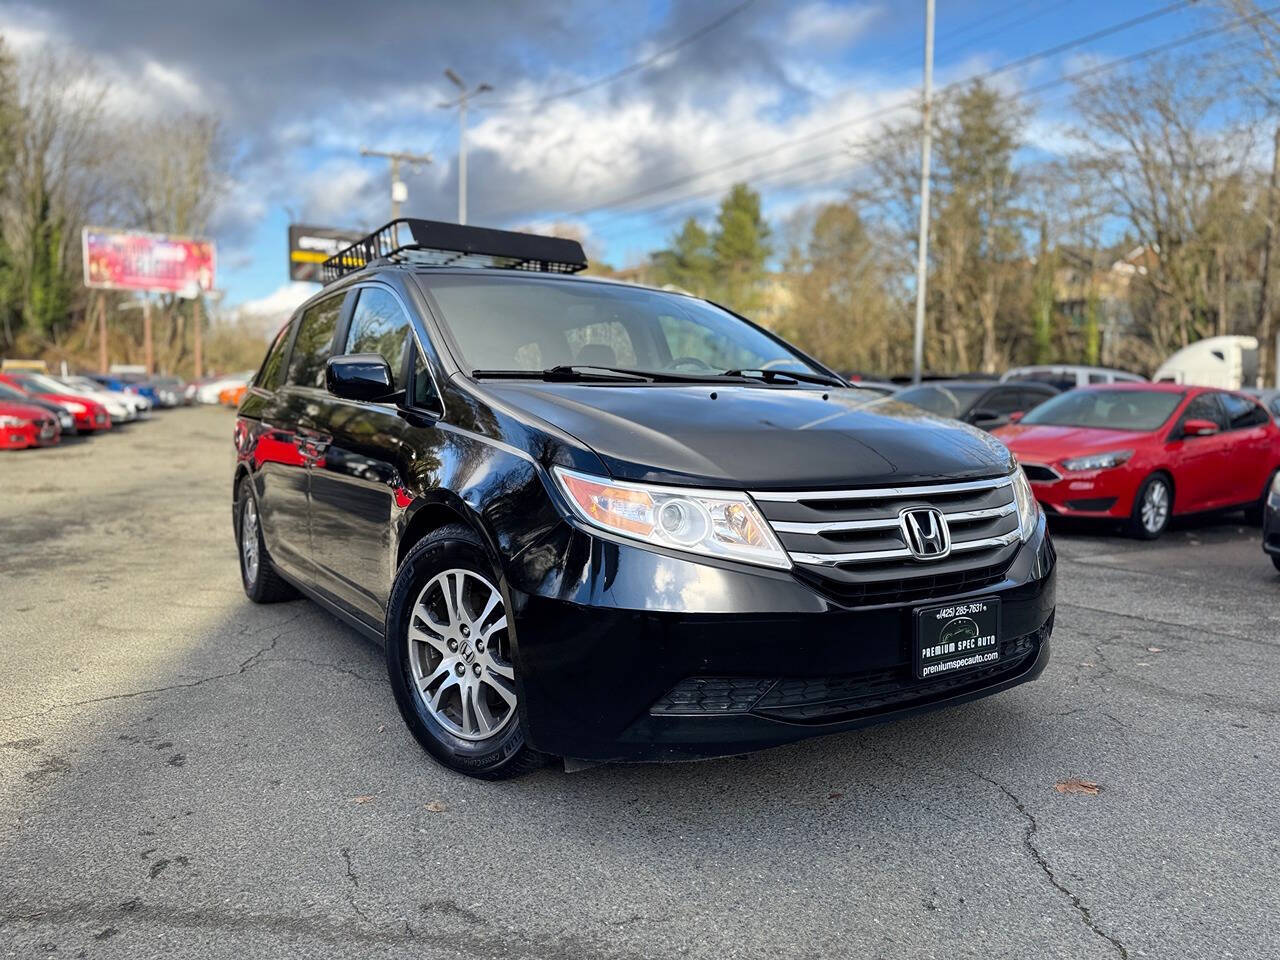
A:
{"x":185,"y":774}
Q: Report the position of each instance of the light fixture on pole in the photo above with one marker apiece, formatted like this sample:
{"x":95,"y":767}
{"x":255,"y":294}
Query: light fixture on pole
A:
{"x":461,"y":104}
{"x":399,"y":192}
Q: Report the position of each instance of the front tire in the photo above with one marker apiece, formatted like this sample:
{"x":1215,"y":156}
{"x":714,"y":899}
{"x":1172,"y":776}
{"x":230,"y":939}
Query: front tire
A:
{"x":262,"y":584}
{"x":1152,"y":508}
{"x":449,"y":658}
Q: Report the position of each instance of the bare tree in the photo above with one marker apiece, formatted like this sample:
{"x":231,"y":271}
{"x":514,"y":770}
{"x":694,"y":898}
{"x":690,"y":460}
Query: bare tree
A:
{"x":1163,"y":150}
{"x":53,"y":183}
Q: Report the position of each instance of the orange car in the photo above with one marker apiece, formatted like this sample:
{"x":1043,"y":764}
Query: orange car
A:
{"x":231,"y":396}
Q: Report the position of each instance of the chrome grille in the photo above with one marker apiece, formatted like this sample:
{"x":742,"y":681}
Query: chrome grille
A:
{"x":855,"y":539}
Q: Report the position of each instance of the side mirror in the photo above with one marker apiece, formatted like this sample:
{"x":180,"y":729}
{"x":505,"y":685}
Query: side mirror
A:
{"x":1199,"y":428}
{"x":983,"y":417}
{"x":360,"y":376}
{"x":1017,"y":415}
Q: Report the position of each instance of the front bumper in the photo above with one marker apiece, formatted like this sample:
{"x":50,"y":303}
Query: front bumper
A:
{"x":628,"y":654}
{"x":1093,"y":493}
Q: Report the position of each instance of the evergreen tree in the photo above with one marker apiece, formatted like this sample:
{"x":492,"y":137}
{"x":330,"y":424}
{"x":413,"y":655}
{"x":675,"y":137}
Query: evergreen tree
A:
{"x":687,"y":264}
{"x":740,"y":248}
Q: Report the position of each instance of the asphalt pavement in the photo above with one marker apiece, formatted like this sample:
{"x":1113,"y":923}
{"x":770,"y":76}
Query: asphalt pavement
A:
{"x":185,"y":774}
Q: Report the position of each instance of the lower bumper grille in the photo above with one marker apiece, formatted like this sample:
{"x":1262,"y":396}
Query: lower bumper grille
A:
{"x":1092,"y":503}
{"x":832,"y":699}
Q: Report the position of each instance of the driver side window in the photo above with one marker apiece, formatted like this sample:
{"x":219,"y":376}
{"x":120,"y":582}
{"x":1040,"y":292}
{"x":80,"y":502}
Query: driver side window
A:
{"x":1206,"y":407}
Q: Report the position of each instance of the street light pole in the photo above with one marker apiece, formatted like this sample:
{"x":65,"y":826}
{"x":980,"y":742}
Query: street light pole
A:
{"x":926,"y":146}
{"x":461,"y":104}
{"x":399,"y":192}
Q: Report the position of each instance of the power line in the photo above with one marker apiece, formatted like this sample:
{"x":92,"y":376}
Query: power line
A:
{"x":879,"y":112}
{"x":792,"y":166}
{"x":631,"y":68}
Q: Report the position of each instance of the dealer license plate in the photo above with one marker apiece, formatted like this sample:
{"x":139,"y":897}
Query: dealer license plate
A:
{"x":956,"y":637}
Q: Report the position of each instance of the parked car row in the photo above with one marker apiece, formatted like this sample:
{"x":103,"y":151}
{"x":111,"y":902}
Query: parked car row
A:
{"x":38,"y":409}
{"x":222,"y":389}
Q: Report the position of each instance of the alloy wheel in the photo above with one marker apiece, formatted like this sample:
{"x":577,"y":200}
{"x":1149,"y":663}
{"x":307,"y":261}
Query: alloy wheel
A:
{"x":249,"y":540}
{"x":1155,"y":506}
{"x":460,"y":656}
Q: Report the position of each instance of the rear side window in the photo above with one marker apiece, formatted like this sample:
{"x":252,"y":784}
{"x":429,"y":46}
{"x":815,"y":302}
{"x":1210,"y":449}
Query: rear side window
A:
{"x":380,"y":326}
{"x":273,"y":367}
{"x":1003,"y":401}
{"x":1242,"y":412}
{"x":314,"y":343}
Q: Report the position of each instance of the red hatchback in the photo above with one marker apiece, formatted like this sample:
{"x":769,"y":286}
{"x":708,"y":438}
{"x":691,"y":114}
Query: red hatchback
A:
{"x":1144,"y":452}
{"x":22,"y":426}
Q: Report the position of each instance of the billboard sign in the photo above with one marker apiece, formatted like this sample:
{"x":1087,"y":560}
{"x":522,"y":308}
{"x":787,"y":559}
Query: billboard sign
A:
{"x":151,"y":262}
{"x":311,"y":246}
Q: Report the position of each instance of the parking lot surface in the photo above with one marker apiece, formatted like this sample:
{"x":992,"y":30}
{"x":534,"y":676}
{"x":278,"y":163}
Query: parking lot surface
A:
{"x":183,"y":773}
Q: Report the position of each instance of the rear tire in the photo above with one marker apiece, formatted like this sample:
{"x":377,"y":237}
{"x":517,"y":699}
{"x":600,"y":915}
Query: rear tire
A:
{"x":262,"y":584}
{"x":1275,"y":560}
{"x":1152,"y":508}
{"x":449,"y":658}
{"x":1254,"y":512}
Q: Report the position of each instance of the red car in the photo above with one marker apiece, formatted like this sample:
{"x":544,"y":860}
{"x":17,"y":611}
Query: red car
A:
{"x":1143,"y":452}
{"x":89,"y":415}
{"x":22,"y":426}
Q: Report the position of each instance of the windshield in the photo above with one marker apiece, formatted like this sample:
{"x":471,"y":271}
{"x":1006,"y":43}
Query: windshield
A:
{"x":1108,"y":409}
{"x":949,"y":401}
{"x":12,"y":393}
{"x":535,"y":324}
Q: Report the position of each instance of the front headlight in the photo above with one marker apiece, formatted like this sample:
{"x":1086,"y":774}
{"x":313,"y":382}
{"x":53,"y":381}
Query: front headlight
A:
{"x":1098,"y":461}
{"x":12,"y":422}
{"x":708,"y":522}
{"x":73,"y":406}
{"x":1028,"y":508}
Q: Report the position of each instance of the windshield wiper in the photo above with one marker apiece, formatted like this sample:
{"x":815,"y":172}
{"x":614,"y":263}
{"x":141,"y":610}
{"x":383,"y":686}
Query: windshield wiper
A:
{"x":566,"y":373}
{"x":775,"y":376}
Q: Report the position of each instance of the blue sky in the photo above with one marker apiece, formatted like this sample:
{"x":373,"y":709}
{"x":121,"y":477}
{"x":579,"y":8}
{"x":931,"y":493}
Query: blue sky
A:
{"x":300,"y":87}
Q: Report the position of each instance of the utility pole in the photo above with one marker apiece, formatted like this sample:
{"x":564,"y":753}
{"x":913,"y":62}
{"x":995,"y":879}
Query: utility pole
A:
{"x":461,"y":104}
{"x":1264,"y":285}
{"x":102,"y":332}
{"x":399,"y":192}
{"x":926,"y":147}
{"x":197,"y":349}
{"x":148,"y":347}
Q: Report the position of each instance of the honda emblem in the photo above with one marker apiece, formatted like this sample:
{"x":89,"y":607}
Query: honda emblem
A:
{"x":925,"y":532}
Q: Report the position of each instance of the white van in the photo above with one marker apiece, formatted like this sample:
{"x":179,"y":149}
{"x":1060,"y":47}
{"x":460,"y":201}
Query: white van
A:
{"x":1067,"y":376}
{"x":1227,"y":363}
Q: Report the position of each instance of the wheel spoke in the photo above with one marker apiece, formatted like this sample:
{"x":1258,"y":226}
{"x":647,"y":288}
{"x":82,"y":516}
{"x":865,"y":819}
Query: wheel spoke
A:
{"x":499,"y":624}
{"x":445,"y":668}
{"x":503,"y":692}
{"x":492,"y":602}
{"x":439,"y":694}
{"x":502,"y":669}
{"x":484,"y":719}
{"x":468,"y":723}
{"x":435,"y":642}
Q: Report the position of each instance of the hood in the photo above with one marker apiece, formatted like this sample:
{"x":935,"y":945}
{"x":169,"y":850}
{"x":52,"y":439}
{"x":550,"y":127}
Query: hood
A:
{"x":80,"y":398}
{"x":25,"y":411}
{"x":757,"y":437}
{"x":1046,"y":443}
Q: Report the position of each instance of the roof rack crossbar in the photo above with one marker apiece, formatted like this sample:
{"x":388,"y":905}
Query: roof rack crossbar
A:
{"x":437,"y":244}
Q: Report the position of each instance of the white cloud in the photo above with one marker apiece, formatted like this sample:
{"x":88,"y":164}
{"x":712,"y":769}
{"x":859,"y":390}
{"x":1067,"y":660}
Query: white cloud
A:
{"x":278,"y":304}
{"x":827,"y":25}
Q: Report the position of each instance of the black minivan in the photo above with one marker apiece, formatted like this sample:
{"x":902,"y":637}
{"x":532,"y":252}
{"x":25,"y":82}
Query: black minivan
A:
{"x":603,"y":522}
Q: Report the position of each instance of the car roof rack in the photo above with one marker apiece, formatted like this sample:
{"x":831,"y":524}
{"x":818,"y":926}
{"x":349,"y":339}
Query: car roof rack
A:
{"x":432,"y":243}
